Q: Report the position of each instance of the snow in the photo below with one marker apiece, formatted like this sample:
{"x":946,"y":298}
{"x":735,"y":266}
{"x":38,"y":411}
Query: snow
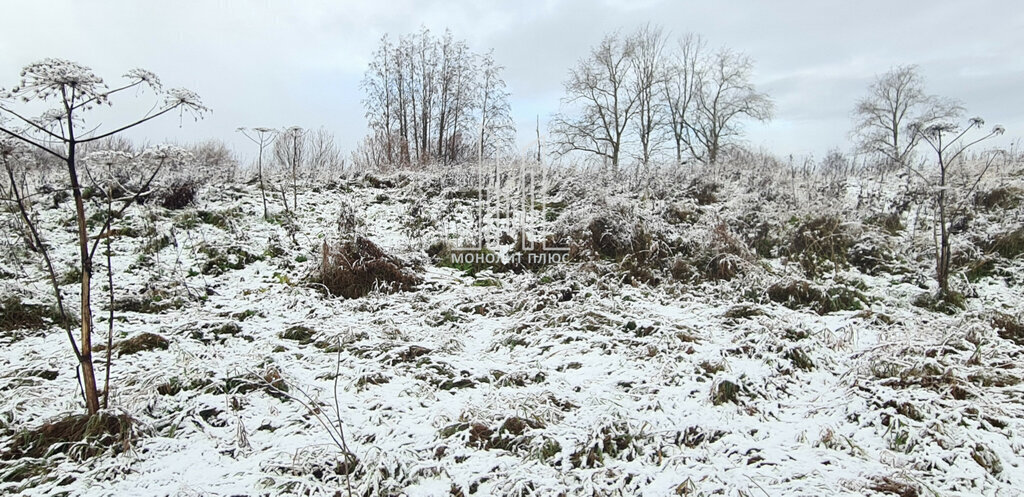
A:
{"x":580,"y":368}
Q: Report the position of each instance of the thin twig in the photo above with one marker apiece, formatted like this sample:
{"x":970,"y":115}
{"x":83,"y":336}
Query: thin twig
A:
{"x":337,"y":414}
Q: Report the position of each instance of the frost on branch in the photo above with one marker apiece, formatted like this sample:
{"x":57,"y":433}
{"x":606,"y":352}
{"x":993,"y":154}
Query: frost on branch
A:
{"x":9,"y":146}
{"x":167,"y":154}
{"x":187,"y":100}
{"x":51,"y":117}
{"x":111,"y":166}
{"x":53,"y":77}
{"x":108,"y":157}
{"x":937,"y":129}
{"x":144,"y":76}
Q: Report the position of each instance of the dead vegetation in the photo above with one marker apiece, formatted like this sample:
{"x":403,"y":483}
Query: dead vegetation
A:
{"x":721,"y":255}
{"x":615,"y":238}
{"x":999,"y":198}
{"x":950,"y":303}
{"x":442,"y":253}
{"x":704,"y":192}
{"x":1008,"y":327}
{"x":819,"y":245}
{"x":150,"y":303}
{"x":873,"y":255}
{"x":220,"y":260}
{"x":726,"y":391}
{"x":268,"y":379}
{"x":615,"y":441}
{"x":356,"y":267}
{"x":796,"y":294}
{"x":1009,"y":245}
{"x":179,"y":194}
{"x":298,"y":333}
{"x":695,"y":244}
{"x":16,"y":314}
{"x":81,"y":436}
{"x":889,"y":486}
{"x":890,"y":222}
{"x":513,"y":434}
{"x":138,"y":343}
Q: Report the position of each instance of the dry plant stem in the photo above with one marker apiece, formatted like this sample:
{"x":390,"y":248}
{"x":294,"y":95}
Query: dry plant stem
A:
{"x":316,"y":412}
{"x":337,"y":414}
{"x":261,"y":137}
{"x":284,"y":200}
{"x":110,"y":275}
{"x":110,"y":316}
{"x":127,"y":202}
{"x":49,"y":268}
{"x":49,"y":80}
{"x":336,"y":433}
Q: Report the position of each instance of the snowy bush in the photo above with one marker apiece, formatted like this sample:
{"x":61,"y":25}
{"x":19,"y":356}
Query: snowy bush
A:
{"x":356,"y":267}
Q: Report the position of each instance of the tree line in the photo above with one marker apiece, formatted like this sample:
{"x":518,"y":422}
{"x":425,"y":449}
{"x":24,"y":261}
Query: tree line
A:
{"x":638,"y":95}
{"x":659,"y":95}
{"x":432,"y":99}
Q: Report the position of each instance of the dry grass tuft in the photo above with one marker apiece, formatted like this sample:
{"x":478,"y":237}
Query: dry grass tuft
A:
{"x":81,"y":436}
{"x":355,"y":268}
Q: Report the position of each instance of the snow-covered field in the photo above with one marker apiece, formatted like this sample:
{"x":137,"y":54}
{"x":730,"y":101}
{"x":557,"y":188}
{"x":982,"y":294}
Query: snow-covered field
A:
{"x":574,"y":379}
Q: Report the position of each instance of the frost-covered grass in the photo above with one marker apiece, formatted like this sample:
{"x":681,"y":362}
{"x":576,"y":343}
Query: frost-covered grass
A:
{"x":661,"y":373}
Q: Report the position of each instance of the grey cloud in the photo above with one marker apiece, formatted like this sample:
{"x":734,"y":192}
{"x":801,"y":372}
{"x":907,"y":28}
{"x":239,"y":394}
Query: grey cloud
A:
{"x":277,"y":64}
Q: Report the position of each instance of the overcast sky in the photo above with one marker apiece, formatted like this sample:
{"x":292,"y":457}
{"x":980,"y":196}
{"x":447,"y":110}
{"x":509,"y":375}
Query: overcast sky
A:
{"x":277,"y":64}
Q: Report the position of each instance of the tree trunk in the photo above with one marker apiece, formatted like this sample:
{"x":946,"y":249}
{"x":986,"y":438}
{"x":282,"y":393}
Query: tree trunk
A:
{"x":615,"y":162}
{"x":942,"y":265}
{"x":92,"y":401}
{"x":713,"y":149}
{"x":897,"y":158}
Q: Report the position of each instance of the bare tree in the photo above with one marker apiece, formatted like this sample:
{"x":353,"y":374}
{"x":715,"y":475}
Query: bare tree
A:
{"x":370,"y":152}
{"x":889,"y":120}
{"x":262,"y":137}
{"x":466,"y":74}
{"x":426,"y":53}
{"x":423,"y":98}
{"x":600,"y":87}
{"x":404,"y":81}
{"x":60,"y":132}
{"x":949,"y":143}
{"x":649,"y":76}
{"x":214,"y":159}
{"x":681,"y":89}
{"x":324,"y":155}
{"x":383,"y":91}
{"x":630,"y":88}
{"x":496,"y":126}
{"x":726,"y":96}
